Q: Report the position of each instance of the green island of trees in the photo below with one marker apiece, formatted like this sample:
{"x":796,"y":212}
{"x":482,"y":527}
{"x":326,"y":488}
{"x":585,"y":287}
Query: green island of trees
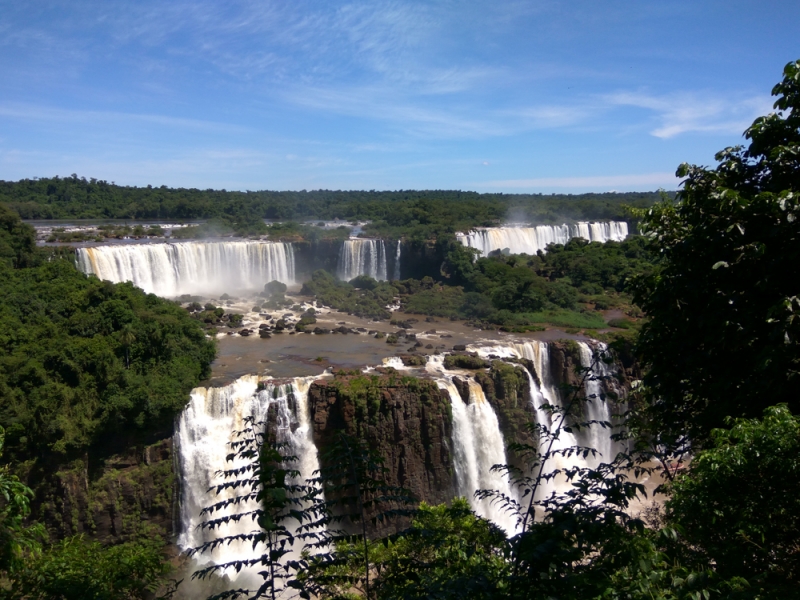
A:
{"x":86,"y":365}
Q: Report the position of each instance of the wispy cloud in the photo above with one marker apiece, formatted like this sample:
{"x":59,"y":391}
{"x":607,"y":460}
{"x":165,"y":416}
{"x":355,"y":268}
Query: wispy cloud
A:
{"x":62,"y":115}
{"x":694,"y":112}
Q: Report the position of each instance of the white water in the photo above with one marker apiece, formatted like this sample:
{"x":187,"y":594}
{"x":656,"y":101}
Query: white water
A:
{"x":397,"y":262}
{"x":529,"y":240}
{"x":203,"y":432}
{"x":170,"y":270}
{"x":362,"y":257}
{"x":478,"y":445}
{"x":546,"y":392}
{"x":598,"y":409}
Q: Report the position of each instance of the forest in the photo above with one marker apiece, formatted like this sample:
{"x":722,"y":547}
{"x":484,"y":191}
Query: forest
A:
{"x":412,"y":214}
{"x":88,"y":368}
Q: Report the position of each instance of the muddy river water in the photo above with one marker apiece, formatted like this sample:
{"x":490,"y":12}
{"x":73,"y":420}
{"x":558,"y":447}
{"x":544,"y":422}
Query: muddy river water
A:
{"x":292,"y":354}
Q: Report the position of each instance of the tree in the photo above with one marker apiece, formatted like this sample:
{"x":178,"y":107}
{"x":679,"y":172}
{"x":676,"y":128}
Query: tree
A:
{"x":265,"y":492}
{"x":351,"y":493}
{"x":16,"y":538}
{"x":738,"y":506}
{"x":79,"y":569}
{"x":17,"y":240}
{"x":724,"y":331}
{"x":448,"y":552}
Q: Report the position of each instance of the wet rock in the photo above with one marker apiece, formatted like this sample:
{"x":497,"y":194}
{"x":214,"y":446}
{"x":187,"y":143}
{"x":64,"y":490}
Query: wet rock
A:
{"x":459,"y":348}
{"x":413,"y":360}
{"x":321,"y":330}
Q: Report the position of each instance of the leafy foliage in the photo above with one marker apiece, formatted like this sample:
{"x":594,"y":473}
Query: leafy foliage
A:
{"x":82,"y":359}
{"x":448,"y":552}
{"x":366,"y":300}
{"x":16,"y":537}
{"x":724,"y":330}
{"x":79,"y":569}
{"x":351,"y":492}
{"x":263,"y":488}
{"x":738,"y":507}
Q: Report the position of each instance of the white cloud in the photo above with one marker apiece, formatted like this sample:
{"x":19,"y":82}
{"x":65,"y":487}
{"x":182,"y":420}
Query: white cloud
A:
{"x":695,"y":112}
{"x":61,"y":115}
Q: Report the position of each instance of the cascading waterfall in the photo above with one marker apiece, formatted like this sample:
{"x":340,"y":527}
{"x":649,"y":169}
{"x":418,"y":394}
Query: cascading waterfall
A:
{"x":478,"y":445}
{"x":397,"y":262}
{"x":529,"y":240}
{"x":170,"y":270}
{"x":596,"y":408}
{"x":362,"y":257}
{"x":546,"y":392}
{"x":203,"y":432}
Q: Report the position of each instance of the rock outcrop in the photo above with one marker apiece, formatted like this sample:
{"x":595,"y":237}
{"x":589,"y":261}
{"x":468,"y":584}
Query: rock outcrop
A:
{"x":125,"y":497}
{"x":407,"y":419}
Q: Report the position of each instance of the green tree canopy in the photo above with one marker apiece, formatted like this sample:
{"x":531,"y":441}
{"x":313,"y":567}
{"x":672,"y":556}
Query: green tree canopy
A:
{"x":724,"y":334}
{"x":84,"y":361}
{"x":739,"y":505}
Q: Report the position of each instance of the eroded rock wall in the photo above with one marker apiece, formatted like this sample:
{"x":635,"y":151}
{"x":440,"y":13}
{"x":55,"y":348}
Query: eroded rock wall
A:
{"x":408,"y":420}
{"x":125,"y":497}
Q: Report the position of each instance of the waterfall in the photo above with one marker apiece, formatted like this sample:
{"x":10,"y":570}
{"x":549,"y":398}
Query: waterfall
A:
{"x":173,"y":269}
{"x":529,"y":240}
{"x":478,"y":445}
{"x":362,"y":257}
{"x":202,"y":434}
{"x":397,"y":262}
{"x":597,"y":409}
{"x":546,"y":391}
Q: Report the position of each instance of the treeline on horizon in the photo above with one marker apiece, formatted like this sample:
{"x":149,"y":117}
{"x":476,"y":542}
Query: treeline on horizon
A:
{"x":76,"y":197}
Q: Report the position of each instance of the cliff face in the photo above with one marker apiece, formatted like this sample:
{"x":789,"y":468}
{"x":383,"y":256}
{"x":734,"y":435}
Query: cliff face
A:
{"x":127,"y":496}
{"x":408,"y":420}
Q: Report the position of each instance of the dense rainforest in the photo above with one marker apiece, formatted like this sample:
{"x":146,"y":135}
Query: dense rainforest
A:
{"x":88,"y":366}
{"x":405,"y":213}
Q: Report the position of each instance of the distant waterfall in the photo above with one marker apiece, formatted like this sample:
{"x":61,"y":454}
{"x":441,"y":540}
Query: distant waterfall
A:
{"x":202,"y":434}
{"x":191,"y":267}
{"x":529,"y":240}
{"x":397,"y":262}
{"x":362,"y":257}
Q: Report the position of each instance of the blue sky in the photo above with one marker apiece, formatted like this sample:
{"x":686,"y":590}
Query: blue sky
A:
{"x":487,"y":96}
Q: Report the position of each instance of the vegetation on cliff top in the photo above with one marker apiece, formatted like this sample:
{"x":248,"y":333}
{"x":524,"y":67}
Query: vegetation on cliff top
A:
{"x":85,"y":363}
